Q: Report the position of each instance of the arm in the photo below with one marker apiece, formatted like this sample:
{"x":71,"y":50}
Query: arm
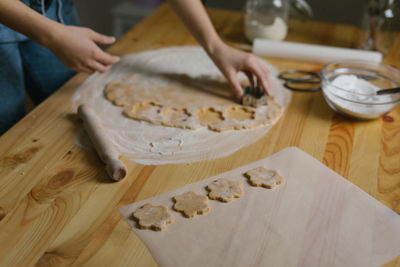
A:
{"x":74,"y":46}
{"x":228,"y":60}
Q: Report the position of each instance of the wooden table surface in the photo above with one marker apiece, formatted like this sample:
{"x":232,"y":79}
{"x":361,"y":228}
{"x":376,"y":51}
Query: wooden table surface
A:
{"x":58,"y":207}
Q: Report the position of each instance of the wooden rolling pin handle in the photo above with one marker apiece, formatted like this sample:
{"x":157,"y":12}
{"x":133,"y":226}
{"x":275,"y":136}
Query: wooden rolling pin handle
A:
{"x":107,"y":152}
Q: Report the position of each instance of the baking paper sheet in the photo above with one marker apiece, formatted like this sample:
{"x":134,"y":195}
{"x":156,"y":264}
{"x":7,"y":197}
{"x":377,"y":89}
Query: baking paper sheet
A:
{"x":316,"y":218}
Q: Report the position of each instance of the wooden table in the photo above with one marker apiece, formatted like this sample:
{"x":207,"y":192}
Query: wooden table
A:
{"x":58,"y":207}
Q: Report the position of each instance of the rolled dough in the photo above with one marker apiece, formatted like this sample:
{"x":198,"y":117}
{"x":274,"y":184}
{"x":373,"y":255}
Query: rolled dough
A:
{"x":187,"y":102}
{"x":150,"y":143}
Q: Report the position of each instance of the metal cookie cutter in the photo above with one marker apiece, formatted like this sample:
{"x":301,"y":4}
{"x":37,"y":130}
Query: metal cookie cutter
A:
{"x":254,"y":97}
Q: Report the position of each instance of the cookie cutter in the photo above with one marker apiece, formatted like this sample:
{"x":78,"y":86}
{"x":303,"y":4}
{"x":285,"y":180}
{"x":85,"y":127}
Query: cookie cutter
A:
{"x":254,"y":96}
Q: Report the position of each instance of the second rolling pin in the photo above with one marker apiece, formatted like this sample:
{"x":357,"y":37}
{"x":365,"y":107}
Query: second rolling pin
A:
{"x":105,"y":149}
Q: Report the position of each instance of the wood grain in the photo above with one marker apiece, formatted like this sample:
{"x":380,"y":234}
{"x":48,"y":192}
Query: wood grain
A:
{"x":339,"y":146}
{"x":58,"y":208}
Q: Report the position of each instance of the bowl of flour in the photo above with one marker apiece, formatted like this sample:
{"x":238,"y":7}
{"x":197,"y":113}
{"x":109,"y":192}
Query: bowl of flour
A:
{"x":350,"y":88}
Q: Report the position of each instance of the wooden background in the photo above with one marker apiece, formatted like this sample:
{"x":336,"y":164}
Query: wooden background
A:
{"x":58,"y":207}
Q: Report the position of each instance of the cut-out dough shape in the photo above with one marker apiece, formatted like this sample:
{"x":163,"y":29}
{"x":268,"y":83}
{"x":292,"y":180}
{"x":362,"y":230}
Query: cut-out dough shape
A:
{"x":146,"y":111}
{"x":240,"y":113}
{"x":153,"y":217}
{"x":264,"y":177}
{"x":118,"y":94}
{"x":190,"y":204}
{"x":112,"y":90}
{"x":177,"y":117}
{"x":225,"y":190}
{"x":209,"y":116}
{"x":186,"y":102}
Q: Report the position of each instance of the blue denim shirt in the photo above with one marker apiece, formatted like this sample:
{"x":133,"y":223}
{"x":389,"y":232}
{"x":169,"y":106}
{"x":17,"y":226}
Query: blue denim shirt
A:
{"x":64,"y":8}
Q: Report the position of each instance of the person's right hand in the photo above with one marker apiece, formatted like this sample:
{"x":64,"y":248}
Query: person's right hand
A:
{"x":77,"y":48}
{"x":230,"y":61}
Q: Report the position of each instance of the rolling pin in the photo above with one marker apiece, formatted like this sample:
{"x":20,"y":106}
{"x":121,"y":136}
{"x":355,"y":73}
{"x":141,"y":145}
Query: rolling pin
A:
{"x":105,"y":149}
{"x":313,"y":53}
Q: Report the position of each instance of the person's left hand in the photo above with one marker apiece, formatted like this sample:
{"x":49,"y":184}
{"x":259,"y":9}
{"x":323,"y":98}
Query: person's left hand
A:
{"x":231,"y":61}
{"x":77,"y":48}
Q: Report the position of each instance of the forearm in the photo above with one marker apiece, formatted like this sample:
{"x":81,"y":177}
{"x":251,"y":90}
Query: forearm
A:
{"x":21,"y":18}
{"x":194,"y":16}
{"x":228,"y":60}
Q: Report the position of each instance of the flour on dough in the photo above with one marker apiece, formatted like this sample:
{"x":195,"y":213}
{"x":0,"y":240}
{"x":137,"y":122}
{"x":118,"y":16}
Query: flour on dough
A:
{"x":225,"y":190}
{"x":209,"y":116}
{"x":178,"y":117}
{"x":261,"y":176}
{"x":188,"y":81}
{"x":189,"y":103}
{"x":190,"y":204}
{"x":153,"y":217}
{"x":146,"y":111}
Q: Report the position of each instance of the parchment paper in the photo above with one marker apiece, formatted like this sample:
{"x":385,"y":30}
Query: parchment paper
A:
{"x":316,"y":218}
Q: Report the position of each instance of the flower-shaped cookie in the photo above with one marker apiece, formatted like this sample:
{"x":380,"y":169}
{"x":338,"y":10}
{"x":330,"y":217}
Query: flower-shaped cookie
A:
{"x":153,"y":217}
{"x":225,"y":190}
{"x":263,"y":177}
{"x":190,"y":204}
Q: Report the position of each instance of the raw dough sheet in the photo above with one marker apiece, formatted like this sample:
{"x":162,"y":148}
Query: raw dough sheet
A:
{"x":150,"y":144}
{"x":316,"y":218}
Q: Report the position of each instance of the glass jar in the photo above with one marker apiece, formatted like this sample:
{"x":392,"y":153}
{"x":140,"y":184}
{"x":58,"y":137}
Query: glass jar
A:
{"x":388,"y":25}
{"x":379,"y":25}
{"x":266,"y":19}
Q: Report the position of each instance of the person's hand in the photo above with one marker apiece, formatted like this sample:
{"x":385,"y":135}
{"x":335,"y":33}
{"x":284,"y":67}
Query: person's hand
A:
{"x":77,"y":48}
{"x":231,"y":61}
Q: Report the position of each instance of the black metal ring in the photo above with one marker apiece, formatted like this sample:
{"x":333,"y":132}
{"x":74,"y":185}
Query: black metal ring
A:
{"x":297,"y":89}
{"x":311,"y":75}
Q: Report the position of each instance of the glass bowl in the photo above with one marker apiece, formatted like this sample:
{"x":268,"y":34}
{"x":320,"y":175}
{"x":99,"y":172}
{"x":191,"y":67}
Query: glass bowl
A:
{"x":349,"y":88}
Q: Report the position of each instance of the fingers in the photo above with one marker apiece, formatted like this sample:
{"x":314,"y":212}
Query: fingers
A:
{"x":102,"y":39}
{"x":79,"y":51}
{"x":97,"y":66}
{"x":250,"y":76}
{"x":101,"y":61}
{"x":262,"y":82}
{"x":92,"y":66}
{"x":266,"y":74}
{"x":234,"y":81}
{"x":262,"y":76}
{"x":105,"y":58}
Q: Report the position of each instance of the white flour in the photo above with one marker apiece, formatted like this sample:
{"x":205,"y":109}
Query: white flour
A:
{"x":150,"y":144}
{"x":358,"y":99}
{"x":276,"y":31}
